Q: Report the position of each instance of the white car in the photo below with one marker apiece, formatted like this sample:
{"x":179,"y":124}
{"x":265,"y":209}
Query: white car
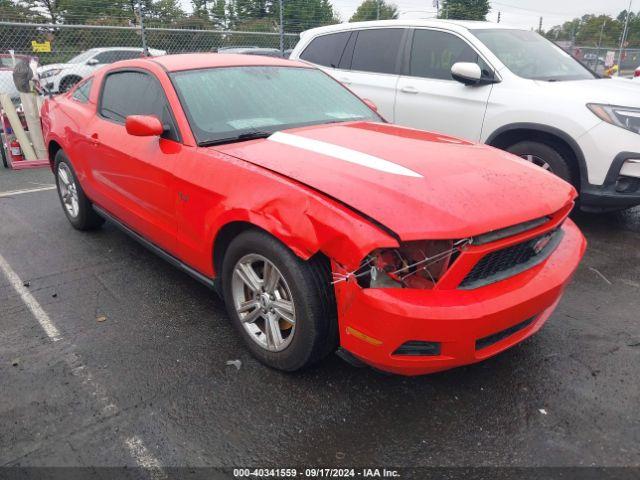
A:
{"x":498,"y":85}
{"x":60,"y":77}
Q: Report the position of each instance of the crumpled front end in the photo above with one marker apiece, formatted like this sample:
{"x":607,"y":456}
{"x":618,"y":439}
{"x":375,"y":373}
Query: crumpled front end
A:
{"x":498,"y":290}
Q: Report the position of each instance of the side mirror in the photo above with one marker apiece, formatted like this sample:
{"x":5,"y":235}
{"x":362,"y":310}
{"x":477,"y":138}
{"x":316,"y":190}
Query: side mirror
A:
{"x":144,"y":126}
{"x":370,"y":104}
{"x":92,"y":61}
{"x":467,"y":73}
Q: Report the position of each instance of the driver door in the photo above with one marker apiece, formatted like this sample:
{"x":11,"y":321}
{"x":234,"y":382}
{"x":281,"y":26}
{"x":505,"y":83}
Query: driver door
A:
{"x":429,"y":98}
{"x":133,"y":177}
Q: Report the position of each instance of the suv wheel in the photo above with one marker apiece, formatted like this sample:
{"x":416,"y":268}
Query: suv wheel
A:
{"x":544,"y":156}
{"x":75,"y":203}
{"x":283,"y":307}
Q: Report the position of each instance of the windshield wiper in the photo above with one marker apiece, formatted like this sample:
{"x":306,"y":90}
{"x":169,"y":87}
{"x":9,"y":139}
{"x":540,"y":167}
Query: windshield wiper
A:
{"x":238,"y":138}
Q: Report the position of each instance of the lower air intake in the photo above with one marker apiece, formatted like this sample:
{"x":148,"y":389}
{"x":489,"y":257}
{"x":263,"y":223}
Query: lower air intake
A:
{"x":418,"y":348}
{"x":501,"y":335}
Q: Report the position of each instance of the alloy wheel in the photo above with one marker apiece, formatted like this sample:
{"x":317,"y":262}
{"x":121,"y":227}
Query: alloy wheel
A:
{"x":536,"y":160}
{"x":68,"y":190}
{"x":262,"y":298}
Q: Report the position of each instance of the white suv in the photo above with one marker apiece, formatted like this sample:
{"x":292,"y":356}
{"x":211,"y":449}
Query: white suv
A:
{"x":490,"y":83}
{"x":60,"y":77}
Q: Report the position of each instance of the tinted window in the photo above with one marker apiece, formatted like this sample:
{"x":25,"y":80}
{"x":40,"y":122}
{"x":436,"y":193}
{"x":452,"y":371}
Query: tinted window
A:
{"x":326,"y":50}
{"x":433,"y":53}
{"x":81,"y":93}
{"x":377,"y":50}
{"x":116,"y":55}
{"x":135,"y":93}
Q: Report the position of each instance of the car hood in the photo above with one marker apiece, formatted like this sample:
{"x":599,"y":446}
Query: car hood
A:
{"x":420,"y":185}
{"x":608,"y":91}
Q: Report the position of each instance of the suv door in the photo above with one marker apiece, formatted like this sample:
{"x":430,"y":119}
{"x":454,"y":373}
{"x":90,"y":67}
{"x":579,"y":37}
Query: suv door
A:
{"x":429,"y":98}
{"x":367,"y":61}
{"x":133,"y":176}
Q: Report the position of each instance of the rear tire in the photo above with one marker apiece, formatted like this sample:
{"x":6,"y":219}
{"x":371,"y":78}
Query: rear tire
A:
{"x":75,"y":204}
{"x":544,"y":156}
{"x":305,"y":284}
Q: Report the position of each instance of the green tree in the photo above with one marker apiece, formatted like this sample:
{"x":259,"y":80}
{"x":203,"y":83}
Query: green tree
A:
{"x":465,"y":9}
{"x":374,"y":10}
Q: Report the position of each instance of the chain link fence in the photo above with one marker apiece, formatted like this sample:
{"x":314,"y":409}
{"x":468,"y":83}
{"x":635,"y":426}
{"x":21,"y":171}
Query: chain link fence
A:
{"x":67,"y":53}
{"x":602,"y":59}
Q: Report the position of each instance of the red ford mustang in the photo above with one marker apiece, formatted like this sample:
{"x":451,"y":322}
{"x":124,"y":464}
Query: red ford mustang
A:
{"x":322,"y":226}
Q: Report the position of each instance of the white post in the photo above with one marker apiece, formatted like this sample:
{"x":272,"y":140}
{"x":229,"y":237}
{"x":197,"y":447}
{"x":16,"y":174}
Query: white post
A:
{"x":16,"y":125}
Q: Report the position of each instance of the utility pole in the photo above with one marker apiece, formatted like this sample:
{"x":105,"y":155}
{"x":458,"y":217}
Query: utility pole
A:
{"x":282,"y":27}
{"x":499,"y":13}
{"x":624,"y":37}
{"x":602,"y":32}
{"x":143,"y":35}
{"x":540,"y":26}
{"x":377,"y":9}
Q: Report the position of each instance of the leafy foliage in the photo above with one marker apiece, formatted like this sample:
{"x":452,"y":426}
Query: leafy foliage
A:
{"x":374,"y":10}
{"x":465,"y":9}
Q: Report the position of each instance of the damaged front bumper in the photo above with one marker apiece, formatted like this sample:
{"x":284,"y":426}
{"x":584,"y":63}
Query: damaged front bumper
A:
{"x":453,"y":327}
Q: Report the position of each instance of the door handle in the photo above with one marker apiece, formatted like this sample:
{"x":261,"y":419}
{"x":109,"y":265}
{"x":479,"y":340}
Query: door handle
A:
{"x":409,"y":89}
{"x":94,"y":139}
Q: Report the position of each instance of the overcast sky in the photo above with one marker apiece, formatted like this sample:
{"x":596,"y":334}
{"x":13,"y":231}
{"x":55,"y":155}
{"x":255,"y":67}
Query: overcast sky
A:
{"x":521,"y":13}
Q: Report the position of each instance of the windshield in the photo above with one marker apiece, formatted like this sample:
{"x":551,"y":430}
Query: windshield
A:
{"x":82,"y":57}
{"x":532,"y":56}
{"x":225,"y":103}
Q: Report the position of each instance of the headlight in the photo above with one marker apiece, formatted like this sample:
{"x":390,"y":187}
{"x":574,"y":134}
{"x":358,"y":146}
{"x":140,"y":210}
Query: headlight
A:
{"x":417,"y":264}
{"x":624,"y":117}
{"x":50,"y":73}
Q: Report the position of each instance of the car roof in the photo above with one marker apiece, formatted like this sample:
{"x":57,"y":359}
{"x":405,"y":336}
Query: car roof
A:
{"x":455,"y":25}
{"x":193,"y":61}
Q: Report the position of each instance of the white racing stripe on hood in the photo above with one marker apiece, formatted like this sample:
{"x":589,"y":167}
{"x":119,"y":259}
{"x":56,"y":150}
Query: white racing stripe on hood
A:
{"x":346,"y":154}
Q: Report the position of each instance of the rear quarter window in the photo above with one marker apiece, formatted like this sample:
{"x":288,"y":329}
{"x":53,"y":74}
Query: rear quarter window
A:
{"x":326,"y":50}
{"x":82,"y":92}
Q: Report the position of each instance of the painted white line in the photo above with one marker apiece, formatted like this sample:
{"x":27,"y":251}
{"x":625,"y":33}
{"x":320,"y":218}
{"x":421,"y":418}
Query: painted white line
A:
{"x":343,"y":153}
{"x":32,"y":304}
{"x":144,"y":458}
{"x":13,"y":193}
{"x":108,"y":408}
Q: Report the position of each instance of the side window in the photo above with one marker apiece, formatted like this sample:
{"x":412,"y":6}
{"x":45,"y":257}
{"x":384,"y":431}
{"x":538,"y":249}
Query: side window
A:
{"x":433,"y":53}
{"x":377,"y":50}
{"x":135,"y":93}
{"x":326,"y":50}
{"x":111,"y":56}
{"x":81,"y":94}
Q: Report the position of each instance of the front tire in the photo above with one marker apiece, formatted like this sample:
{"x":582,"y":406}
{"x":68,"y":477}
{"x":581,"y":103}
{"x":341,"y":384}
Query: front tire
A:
{"x":75,"y":203}
{"x":283,"y":307}
{"x":544,"y":156}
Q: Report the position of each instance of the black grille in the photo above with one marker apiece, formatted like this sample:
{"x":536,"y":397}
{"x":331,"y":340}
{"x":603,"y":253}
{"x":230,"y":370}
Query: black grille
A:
{"x":498,"y":265}
{"x":496,"y":337}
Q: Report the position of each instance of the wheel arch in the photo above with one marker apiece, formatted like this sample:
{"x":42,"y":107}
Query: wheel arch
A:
{"x":52,"y":149}
{"x":511,"y":134}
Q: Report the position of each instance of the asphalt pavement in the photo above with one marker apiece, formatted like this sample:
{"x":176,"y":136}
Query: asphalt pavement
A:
{"x":135,"y":369}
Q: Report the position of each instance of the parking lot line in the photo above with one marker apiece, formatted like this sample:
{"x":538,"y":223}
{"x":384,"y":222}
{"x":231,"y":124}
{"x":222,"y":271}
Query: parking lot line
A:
{"x":134,"y":444}
{"x":32,"y":304}
{"x":13,"y":193}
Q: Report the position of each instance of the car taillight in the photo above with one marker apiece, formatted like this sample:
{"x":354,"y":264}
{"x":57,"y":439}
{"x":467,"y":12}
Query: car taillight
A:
{"x":637,"y":73}
{"x":417,"y":264}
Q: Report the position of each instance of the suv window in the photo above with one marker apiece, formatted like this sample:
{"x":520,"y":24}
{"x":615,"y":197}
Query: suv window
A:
{"x":81,"y":94}
{"x":135,"y":93}
{"x":433,"y":53}
{"x":326,"y":50}
{"x":377,"y":50}
{"x":111,"y":56}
